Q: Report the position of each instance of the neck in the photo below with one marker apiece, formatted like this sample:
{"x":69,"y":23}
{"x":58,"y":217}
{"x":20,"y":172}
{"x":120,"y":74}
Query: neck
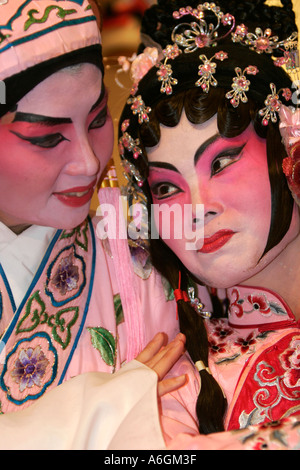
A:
{"x":282,"y":276}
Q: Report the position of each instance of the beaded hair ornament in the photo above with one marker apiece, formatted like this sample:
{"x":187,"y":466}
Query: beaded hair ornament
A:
{"x":190,"y":37}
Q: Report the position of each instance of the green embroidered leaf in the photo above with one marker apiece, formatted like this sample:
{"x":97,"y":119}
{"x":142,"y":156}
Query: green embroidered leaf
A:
{"x":60,"y":14}
{"x":118,"y":309}
{"x":105,"y":343}
{"x":35,"y":312}
{"x":65,"y":319}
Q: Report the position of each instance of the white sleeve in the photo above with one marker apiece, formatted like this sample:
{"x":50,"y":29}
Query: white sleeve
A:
{"x":89,"y":412}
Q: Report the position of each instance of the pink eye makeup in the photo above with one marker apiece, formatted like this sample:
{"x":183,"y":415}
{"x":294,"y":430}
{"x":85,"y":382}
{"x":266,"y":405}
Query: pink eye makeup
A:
{"x":164,"y":190}
{"x":33,"y":125}
{"x":165,"y":181}
{"x":226,"y":158}
{"x":100,"y":120}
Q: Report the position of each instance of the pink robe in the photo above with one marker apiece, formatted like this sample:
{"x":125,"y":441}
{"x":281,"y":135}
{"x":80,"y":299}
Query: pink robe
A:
{"x":255,"y":357}
{"x":64,"y":352}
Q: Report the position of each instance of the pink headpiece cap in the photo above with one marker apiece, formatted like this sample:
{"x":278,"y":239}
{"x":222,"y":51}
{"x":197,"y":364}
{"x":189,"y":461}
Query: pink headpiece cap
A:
{"x":32,"y":32}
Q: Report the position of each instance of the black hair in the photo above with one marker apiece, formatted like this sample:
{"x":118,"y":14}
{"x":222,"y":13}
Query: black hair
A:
{"x":18,"y":85}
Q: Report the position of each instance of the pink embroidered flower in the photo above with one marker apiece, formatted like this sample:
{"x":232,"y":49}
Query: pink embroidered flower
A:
{"x":245,"y":343}
{"x":30,"y":368}
{"x":143,"y":63}
{"x":290,"y":360}
{"x":259,"y":302}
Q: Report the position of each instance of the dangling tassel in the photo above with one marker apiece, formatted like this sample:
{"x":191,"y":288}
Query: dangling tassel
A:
{"x":180,"y":294}
{"x":189,"y":297}
{"x":109,"y":193}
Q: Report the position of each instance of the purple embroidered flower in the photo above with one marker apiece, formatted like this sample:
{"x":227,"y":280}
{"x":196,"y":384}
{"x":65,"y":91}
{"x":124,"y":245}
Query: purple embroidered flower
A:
{"x":67,"y":276}
{"x":30,"y":368}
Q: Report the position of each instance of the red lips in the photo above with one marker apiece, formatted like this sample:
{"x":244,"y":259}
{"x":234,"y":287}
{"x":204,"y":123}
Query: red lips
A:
{"x":77,"y":197}
{"x":216,"y":241}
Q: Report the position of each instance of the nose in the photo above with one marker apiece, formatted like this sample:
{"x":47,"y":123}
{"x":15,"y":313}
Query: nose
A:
{"x":83,"y":160}
{"x":203,"y":197}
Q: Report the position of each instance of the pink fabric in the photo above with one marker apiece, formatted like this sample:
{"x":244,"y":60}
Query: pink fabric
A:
{"x":158,"y":315}
{"x":29,"y":41}
{"x":232,"y":350}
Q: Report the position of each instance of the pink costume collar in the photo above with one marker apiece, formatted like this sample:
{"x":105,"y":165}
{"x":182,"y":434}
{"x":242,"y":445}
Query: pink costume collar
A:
{"x":252,"y":307}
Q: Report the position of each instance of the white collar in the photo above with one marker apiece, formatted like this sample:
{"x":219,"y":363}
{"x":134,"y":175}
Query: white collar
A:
{"x":20,"y":255}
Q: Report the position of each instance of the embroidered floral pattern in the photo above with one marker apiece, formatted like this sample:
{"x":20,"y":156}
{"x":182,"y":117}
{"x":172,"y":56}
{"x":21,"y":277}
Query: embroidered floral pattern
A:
{"x":259,"y":302}
{"x":276,"y":435}
{"x":215,"y":347}
{"x":245,"y":343}
{"x":221,"y":330}
{"x":227,"y":344}
{"x":249,"y":303}
{"x":40,"y":346}
{"x":66,"y":277}
{"x":290,"y":361}
{"x":30,"y":368}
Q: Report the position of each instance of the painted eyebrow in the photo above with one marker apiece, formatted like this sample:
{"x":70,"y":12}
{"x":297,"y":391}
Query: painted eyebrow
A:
{"x":167,"y":166}
{"x":198,"y":154}
{"x":40,"y":119}
{"x":204,"y":146}
{"x":52,"y":121}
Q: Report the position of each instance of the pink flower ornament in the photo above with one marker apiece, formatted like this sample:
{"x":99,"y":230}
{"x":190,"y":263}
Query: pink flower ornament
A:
{"x":143,"y":63}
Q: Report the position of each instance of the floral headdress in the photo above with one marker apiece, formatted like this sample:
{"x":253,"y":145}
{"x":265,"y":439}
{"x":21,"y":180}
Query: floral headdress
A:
{"x":206,"y":27}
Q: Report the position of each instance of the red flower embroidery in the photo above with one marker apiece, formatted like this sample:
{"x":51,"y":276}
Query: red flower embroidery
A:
{"x":259,"y":302}
{"x":217,"y":347}
{"x":222,"y":331}
{"x":235,"y":306}
{"x":245,"y":343}
{"x":290,"y":360}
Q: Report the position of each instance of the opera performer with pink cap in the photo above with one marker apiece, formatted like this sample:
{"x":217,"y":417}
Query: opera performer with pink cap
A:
{"x":67,"y":323}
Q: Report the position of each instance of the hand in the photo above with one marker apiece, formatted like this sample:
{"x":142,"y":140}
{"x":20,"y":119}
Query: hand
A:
{"x":160,"y":357}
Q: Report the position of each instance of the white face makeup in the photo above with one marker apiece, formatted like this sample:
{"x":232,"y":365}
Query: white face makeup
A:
{"x":193,"y":164}
{"x":54,"y":150}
